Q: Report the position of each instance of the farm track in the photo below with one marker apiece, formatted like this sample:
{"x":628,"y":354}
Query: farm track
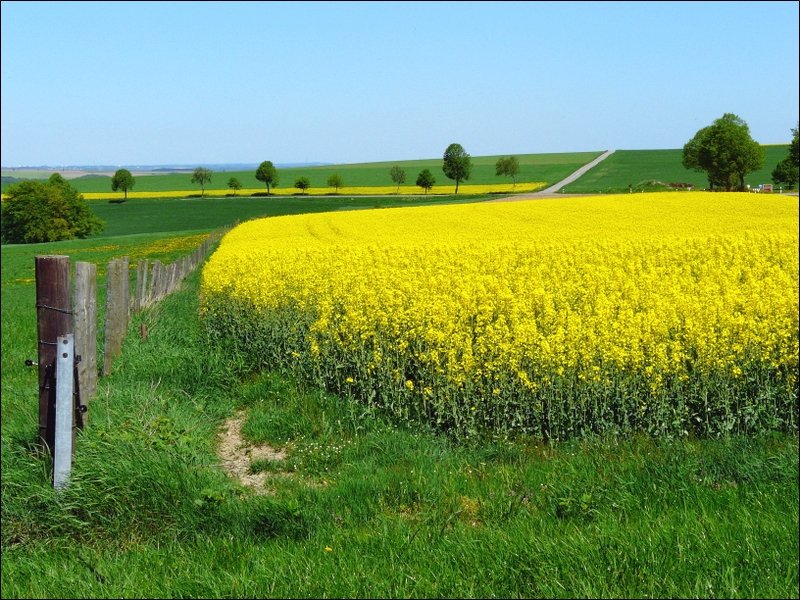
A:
{"x":549,"y":192}
{"x":552,"y":191}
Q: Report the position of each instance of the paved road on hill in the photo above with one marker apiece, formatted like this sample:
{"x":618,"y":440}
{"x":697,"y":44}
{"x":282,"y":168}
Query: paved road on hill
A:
{"x":551,"y":192}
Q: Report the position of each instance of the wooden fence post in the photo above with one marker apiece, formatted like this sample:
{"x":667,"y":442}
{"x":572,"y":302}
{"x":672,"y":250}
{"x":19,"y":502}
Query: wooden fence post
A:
{"x":173,"y":277}
{"x":141,"y":277}
{"x":184,"y":267}
{"x":54,"y":318}
{"x":155,"y":282}
{"x":85,"y":309}
{"x":126,"y":290}
{"x":117,"y":296}
{"x":142,"y":299}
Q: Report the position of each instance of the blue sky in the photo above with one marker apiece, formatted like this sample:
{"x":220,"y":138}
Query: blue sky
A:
{"x":222,"y":82}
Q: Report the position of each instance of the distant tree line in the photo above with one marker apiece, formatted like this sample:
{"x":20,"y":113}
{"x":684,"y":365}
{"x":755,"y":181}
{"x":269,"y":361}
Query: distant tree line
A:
{"x":52,"y":210}
{"x":724,"y":150}
{"x":456,"y":165}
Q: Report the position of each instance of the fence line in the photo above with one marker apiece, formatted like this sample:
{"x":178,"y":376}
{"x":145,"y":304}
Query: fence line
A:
{"x":61,"y":313}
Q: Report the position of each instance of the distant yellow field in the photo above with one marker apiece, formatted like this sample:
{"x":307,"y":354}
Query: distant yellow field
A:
{"x":501,"y":188}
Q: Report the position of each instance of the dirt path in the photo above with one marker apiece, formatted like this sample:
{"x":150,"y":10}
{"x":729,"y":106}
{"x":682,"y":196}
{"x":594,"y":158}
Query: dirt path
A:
{"x":236,"y":455}
{"x":552,"y":191}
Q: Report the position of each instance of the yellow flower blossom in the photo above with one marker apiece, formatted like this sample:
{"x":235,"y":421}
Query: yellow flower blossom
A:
{"x":508,"y":299}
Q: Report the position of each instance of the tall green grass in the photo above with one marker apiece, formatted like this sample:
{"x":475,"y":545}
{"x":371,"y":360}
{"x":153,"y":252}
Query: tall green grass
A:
{"x":362,"y":507}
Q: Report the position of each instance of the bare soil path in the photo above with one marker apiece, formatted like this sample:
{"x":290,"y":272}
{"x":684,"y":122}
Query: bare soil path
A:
{"x":552,"y":191}
{"x":236,"y":455}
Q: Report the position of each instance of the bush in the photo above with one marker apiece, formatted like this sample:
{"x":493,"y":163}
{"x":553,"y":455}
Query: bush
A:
{"x":51,"y":211}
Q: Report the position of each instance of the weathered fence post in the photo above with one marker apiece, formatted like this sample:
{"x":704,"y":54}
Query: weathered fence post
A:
{"x":142,"y":300}
{"x":147,"y":275}
{"x":141,"y":282}
{"x":54,"y":318}
{"x":126,"y":290}
{"x":184,"y":267}
{"x":173,"y":277}
{"x":85,"y":309}
{"x":155,"y":282}
{"x":65,"y":410}
{"x":117,"y":296}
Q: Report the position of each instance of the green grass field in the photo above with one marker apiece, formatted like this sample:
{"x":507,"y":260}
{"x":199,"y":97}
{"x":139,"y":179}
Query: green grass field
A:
{"x":150,"y":215}
{"x":533,"y":167}
{"x":360,"y":506}
{"x":638,"y":167}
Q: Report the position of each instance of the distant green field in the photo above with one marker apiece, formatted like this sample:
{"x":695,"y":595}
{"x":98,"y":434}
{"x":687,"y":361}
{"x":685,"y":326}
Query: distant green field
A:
{"x":533,"y":167}
{"x":623,"y":168}
{"x":158,"y":215}
{"x":634,"y":167}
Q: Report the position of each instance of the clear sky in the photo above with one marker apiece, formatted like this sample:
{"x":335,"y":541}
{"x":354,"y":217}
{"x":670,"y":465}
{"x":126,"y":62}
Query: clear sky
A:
{"x":221,"y":82}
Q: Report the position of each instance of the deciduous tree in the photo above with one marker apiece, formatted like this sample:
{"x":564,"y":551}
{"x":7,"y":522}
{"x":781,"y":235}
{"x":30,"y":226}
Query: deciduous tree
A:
{"x":508,"y":166}
{"x":36,"y":211}
{"x":202,"y":176}
{"x":787,"y":172}
{"x":302,"y":184}
{"x":425,"y":180}
{"x":398,"y":176}
{"x":267,"y":174}
{"x":725,"y":151}
{"x":335,"y":181}
{"x":122,"y":180}
{"x":234,"y":184}
{"x":457,"y":164}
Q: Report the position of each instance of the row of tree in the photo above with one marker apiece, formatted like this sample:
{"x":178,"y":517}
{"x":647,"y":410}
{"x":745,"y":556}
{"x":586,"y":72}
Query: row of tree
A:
{"x":726,"y":152}
{"x":36,"y":211}
{"x":456,"y":165}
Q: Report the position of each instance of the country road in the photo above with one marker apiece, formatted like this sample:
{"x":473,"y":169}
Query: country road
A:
{"x":551,"y":192}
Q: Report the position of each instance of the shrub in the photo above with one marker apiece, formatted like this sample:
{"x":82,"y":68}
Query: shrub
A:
{"x":51,"y":211}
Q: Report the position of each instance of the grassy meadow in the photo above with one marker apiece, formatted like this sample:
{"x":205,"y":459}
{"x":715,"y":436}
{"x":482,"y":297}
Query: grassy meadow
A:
{"x":361,"y":504}
{"x":640,"y":168}
{"x":180,"y":214}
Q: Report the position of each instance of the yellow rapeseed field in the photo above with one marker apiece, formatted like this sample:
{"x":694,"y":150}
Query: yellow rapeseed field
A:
{"x":624,"y":310}
{"x":499,"y":188}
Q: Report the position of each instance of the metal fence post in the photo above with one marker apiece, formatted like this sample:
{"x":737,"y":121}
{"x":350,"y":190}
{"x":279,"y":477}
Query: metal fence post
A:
{"x":65,"y":410}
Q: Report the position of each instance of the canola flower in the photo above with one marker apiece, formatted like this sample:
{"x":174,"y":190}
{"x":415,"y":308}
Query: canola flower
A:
{"x":665,"y":312}
{"x":407,"y":190}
